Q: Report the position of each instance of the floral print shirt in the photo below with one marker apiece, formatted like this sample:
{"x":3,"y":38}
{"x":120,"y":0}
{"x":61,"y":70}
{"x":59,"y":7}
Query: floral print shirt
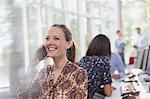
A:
{"x":98,"y":70}
{"x":71,"y":84}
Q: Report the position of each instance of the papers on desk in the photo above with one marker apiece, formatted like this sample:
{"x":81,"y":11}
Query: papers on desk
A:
{"x":140,"y":85}
{"x":130,"y":88}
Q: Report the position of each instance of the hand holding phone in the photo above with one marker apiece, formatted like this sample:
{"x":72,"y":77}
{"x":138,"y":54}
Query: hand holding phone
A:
{"x":41,"y":53}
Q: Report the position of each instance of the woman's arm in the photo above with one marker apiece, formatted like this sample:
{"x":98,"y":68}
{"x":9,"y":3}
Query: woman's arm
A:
{"x":39,"y":55}
{"x":107,"y":78}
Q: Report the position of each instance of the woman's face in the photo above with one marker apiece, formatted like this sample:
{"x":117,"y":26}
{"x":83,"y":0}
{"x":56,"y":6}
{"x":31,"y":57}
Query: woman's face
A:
{"x":56,"y":44}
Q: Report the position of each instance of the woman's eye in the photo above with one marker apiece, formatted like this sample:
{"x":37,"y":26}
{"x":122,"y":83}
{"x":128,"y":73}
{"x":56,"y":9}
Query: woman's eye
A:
{"x":46,"y":38}
{"x":56,"y":38}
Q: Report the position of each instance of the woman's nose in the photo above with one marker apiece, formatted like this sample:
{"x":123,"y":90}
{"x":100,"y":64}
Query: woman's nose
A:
{"x":49,"y":42}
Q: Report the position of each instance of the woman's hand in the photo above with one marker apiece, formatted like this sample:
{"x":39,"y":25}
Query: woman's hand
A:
{"x":39,"y":55}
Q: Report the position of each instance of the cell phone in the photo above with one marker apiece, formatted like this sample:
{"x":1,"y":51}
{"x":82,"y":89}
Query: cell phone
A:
{"x":41,"y":53}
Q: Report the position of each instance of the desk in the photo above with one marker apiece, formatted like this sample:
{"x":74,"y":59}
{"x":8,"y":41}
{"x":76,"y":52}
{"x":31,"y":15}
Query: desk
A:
{"x":144,"y":87}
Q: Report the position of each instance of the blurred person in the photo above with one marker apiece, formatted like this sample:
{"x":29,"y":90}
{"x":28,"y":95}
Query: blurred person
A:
{"x":117,"y":67}
{"x":62,"y":80}
{"x":96,"y":62}
{"x":120,"y":44}
{"x":141,"y":41}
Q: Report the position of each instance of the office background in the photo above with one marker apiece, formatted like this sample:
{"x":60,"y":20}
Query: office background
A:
{"x":23,"y":24}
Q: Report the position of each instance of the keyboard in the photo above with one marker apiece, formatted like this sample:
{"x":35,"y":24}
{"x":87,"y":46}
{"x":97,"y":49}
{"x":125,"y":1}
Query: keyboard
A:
{"x":130,"y":88}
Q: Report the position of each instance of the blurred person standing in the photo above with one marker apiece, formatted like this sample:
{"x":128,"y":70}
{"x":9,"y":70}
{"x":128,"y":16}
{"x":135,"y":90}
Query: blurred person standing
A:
{"x":96,"y":62}
{"x":120,"y":44}
{"x":62,"y":80}
{"x":141,"y":41}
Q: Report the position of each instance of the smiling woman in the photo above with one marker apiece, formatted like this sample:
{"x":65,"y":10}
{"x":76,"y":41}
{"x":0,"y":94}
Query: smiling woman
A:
{"x":62,"y":80}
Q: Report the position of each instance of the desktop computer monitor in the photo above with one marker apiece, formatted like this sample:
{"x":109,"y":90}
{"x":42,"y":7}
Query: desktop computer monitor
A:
{"x":139,"y":59}
{"x":145,"y":59}
{"x":147,"y":68}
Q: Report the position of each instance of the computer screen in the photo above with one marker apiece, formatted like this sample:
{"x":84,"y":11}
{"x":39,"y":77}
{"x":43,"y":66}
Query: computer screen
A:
{"x":145,"y":59}
{"x":147,"y":69}
{"x":139,"y":59}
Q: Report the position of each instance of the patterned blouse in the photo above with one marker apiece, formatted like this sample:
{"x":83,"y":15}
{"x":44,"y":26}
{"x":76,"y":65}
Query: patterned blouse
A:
{"x":98,"y":70}
{"x":71,"y":84}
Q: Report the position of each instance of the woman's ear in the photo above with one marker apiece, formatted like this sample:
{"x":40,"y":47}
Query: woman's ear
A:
{"x":69,"y":44}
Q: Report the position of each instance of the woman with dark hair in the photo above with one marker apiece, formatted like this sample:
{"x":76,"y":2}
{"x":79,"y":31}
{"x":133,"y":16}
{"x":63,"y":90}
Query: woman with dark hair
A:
{"x":96,"y":62}
{"x":64,"y":79}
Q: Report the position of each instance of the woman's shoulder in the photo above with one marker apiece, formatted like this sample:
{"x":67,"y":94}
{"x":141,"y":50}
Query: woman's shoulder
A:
{"x":94,"y":58}
{"x":76,"y":65}
{"x":45,"y":70}
{"x":89,"y":62}
{"x":72,"y":67}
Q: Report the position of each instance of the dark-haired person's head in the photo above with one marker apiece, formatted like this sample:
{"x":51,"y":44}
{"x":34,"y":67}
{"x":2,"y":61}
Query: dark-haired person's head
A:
{"x":138,"y":30}
{"x":118,"y":31}
{"x":99,"y":46}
